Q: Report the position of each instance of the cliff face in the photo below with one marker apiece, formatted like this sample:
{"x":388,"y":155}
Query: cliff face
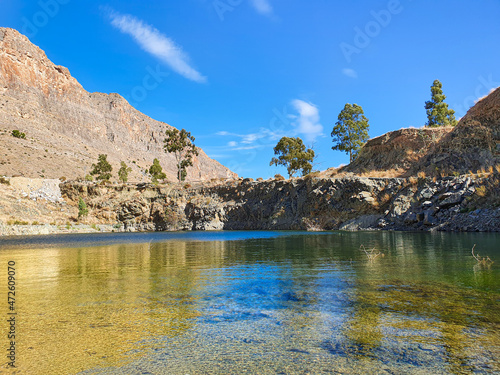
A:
{"x":67,"y":127}
{"x":350,"y":203}
{"x":473,"y":144}
{"x":396,"y":152}
{"x":466,"y":203}
{"x":470,"y":146}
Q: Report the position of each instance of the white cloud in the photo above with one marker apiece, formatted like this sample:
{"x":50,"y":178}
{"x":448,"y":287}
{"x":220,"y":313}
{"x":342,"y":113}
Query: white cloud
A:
{"x":251,"y":140}
{"x":262,"y":6}
{"x":350,"y":73}
{"x":307,"y":122}
{"x":154,"y":42}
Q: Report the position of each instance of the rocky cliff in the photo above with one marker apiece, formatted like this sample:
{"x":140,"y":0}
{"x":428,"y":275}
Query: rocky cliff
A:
{"x":349,"y":203}
{"x":464,"y":203}
{"x":396,"y":152}
{"x":472,"y":145}
{"x":67,"y":127}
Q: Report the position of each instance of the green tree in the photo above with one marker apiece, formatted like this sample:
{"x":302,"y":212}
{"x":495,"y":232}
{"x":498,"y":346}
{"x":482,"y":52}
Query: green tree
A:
{"x":437,"y":110}
{"x":102,"y":169}
{"x":82,"y":208}
{"x":293,"y":155}
{"x":350,"y":131}
{"x":123,"y":172}
{"x":156,"y":171}
{"x":181,"y":144}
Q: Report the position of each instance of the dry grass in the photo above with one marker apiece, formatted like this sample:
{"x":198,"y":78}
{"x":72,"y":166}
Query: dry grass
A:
{"x":390,"y":173}
{"x":313,"y":225}
{"x":371,"y":254}
{"x":413,"y":180}
{"x":481,"y":191}
{"x":313,"y":174}
{"x":484,"y":261}
{"x":384,"y":198}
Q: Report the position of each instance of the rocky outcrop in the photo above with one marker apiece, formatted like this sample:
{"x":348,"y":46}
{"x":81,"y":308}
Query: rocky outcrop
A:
{"x":473,"y":144}
{"x":396,"y":152}
{"x":465,"y":203}
{"x":67,"y":127}
{"x":351,"y":203}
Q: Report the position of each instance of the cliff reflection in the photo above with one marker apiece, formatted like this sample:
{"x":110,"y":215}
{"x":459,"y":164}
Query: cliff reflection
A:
{"x":300,"y":302}
{"x":105,"y":306}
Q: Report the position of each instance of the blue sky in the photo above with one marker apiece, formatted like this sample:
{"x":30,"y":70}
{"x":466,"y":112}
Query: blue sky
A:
{"x":240,"y":74}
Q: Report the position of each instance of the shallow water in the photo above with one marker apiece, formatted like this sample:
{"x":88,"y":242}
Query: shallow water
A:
{"x":254,"y":303}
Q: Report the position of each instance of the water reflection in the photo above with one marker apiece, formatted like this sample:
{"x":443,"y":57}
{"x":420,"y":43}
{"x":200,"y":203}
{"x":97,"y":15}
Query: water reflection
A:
{"x":290,"y":304}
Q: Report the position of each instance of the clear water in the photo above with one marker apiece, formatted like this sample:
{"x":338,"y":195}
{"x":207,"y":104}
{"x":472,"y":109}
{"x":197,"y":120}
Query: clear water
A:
{"x":254,"y":303}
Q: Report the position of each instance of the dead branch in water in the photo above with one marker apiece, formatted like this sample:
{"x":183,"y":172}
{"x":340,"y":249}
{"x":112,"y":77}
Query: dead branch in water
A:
{"x":371,"y":254}
{"x":485,"y":261}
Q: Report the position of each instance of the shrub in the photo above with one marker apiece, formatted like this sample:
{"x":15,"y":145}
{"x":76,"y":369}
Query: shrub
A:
{"x":17,"y":222}
{"x":156,"y":172}
{"x":313,"y":174}
{"x":17,"y":134}
{"x":62,"y":179}
{"x":279,"y":177}
{"x":123,"y":172}
{"x":412,"y":180}
{"x":89,"y":178}
{"x":481,"y":191}
{"x":82,"y":208}
{"x":4,"y":181}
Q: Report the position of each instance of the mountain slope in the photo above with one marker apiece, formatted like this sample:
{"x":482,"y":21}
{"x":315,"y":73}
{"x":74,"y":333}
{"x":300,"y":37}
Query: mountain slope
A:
{"x":473,"y":144}
{"x":470,"y":146}
{"x":67,"y":127}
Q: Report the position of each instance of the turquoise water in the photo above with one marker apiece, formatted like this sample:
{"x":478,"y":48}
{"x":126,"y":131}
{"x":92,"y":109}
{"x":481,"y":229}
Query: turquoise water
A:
{"x":255,"y":303}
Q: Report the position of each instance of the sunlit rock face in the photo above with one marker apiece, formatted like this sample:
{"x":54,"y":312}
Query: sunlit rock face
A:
{"x":67,"y":127}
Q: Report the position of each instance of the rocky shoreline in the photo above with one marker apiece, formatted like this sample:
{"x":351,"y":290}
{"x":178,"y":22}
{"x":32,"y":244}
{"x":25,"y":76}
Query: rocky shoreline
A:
{"x":460,"y":204}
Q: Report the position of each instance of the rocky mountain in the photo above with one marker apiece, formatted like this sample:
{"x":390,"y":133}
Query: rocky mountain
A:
{"x":67,"y":127}
{"x":395,"y":153}
{"x":472,"y":145}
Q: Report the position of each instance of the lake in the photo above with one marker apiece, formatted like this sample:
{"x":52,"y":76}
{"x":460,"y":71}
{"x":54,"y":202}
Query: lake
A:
{"x":254,"y":303}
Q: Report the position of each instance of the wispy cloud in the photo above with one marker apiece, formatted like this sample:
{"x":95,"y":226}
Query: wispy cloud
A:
{"x":350,"y":73}
{"x":262,"y":6}
{"x":154,"y":42}
{"x":251,"y":141}
{"x":307,"y":121}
